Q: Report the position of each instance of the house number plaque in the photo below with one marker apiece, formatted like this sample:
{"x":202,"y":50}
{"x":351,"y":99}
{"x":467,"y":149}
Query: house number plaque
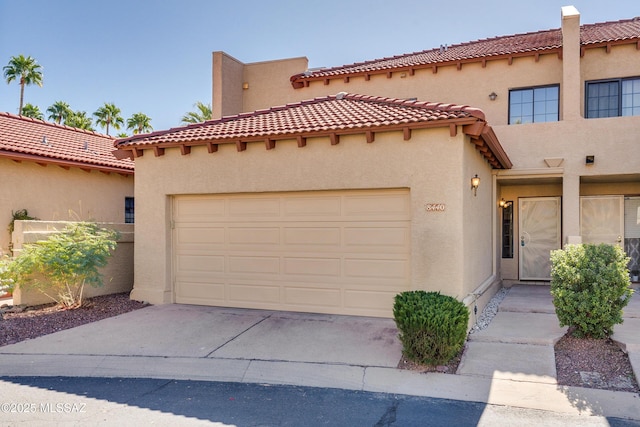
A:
{"x":434,"y":207}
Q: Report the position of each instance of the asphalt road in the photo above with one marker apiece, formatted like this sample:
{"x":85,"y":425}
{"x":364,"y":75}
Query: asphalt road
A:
{"x":83,"y":401}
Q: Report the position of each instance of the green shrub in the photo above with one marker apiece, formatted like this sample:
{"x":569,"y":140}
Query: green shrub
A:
{"x":19,"y":215}
{"x":590,"y":286}
{"x":433,"y":327}
{"x":65,"y":262}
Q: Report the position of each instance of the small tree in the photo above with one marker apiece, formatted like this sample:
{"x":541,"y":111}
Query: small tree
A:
{"x":590,"y":286}
{"x":65,"y":262}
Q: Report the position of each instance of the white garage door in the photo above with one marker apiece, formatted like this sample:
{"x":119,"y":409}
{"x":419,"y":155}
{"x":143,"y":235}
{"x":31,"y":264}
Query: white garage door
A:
{"x":343,"y":252}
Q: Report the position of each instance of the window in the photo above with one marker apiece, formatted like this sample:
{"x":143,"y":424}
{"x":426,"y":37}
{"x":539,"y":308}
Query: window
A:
{"x":507,"y":230}
{"x":534,"y":105}
{"x":129,"y":210}
{"x":613,"y":98}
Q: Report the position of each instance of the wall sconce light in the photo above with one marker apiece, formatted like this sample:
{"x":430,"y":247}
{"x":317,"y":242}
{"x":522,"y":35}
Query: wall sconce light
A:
{"x":493,"y":96}
{"x":589,"y":160}
{"x":503,"y":203}
{"x":475,"y":183}
{"x":245,"y":85}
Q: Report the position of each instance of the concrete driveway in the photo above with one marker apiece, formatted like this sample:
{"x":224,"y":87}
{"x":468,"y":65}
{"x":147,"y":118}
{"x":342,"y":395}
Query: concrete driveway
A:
{"x":185,"y":341}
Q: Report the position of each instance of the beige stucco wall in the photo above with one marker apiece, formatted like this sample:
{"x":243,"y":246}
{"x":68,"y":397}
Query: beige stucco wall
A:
{"x":429,"y":165}
{"x":227,"y":74}
{"x":239,"y":87}
{"x":263,"y":78}
{"x":54,"y":193}
{"x":117,"y":275}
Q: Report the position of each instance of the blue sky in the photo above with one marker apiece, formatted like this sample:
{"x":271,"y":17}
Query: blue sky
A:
{"x":155,"y":56}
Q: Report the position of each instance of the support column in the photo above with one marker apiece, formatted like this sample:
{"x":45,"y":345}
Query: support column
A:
{"x":571,"y":209}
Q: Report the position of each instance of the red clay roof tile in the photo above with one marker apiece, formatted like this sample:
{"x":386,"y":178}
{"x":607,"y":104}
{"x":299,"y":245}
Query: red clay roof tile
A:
{"x":512,"y":45}
{"x":327,"y":116}
{"x":30,"y":139}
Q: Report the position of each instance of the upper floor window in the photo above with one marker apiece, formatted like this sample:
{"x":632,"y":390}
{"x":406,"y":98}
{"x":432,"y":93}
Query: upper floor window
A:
{"x":613,"y":98}
{"x":534,"y":105}
{"x":129,"y":210}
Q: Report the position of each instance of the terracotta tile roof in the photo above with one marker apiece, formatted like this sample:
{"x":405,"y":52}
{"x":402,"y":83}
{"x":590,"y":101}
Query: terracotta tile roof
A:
{"x":548,"y":41}
{"x":327,"y":116}
{"x":23,"y":138}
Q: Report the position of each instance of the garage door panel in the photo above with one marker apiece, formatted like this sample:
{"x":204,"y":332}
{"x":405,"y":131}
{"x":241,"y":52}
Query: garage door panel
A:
{"x":198,"y":209}
{"x":312,"y":236}
{"x":313,"y":297}
{"x":200,"y":238}
{"x":387,"y":206}
{"x":367,"y":300}
{"x":254,"y":265}
{"x":200,"y":263}
{"x":254,"y":236}
{"x":207,"y":291}
{"x":254,"y":207}
{"x":317,"y":207}
{"x":382,"y":237}
{"x":314,"y":266}
{"x":260,"y":294}
{"x":376,"y":268}
{"x":342,"y":252}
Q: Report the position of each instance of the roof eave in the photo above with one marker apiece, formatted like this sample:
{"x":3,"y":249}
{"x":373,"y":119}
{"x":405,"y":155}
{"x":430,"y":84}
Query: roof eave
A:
{"x":299,"y":81}
{"x":486,"y":140}
{"x":20,"y":157}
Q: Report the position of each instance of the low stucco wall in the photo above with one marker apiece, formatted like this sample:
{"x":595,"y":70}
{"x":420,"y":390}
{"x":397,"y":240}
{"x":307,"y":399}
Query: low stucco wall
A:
{"x":117,"y":275}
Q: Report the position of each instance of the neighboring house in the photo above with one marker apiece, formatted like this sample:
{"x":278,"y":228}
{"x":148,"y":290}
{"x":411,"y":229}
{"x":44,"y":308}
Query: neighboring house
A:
{"x":60,"y":173}
{"x":337,"y":203}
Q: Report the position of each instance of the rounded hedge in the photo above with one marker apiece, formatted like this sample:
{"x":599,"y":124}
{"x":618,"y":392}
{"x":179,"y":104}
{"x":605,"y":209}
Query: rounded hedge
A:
{"x":590,"y":286}
{"x":433,"y":327}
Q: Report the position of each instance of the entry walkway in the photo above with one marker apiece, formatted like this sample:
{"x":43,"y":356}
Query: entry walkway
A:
{"x":518,"y":344}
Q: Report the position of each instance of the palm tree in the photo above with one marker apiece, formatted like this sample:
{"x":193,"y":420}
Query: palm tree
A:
{"x":107,"y":115}
{"x":79,"y":119}
{"x":24,"y":70}
{"x":202,"y":115}
{"x":59,"y":111}
{"x":139,"y":123}
{"x":122,"y":135}
{"x":32,"y":111}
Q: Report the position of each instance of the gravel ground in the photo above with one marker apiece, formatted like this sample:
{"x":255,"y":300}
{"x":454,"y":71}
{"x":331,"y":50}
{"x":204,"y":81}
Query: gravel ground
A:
{"x":23,"y":323}
{"x":579,"y":362}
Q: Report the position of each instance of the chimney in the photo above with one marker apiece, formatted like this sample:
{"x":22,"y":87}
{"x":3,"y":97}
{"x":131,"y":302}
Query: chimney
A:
{"x":570,"y":64}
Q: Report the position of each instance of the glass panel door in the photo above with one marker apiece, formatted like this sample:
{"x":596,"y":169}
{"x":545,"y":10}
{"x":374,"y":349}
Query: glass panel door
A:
{"x":539,"y":225}
{"x":602,"y":219}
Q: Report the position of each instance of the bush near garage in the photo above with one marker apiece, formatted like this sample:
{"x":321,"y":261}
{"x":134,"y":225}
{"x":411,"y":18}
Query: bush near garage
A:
{"x":433,"y":327}
{"x":590,"y":286}
{"x":61,"y":265}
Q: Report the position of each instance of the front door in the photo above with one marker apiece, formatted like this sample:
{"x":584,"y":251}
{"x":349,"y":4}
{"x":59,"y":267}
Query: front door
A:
{"x":602,"y":219}
{"x":539,"y":225}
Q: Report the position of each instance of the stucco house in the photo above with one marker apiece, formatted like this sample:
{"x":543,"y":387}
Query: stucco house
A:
{"x":359,"y":184}
{"x":60,"y":173}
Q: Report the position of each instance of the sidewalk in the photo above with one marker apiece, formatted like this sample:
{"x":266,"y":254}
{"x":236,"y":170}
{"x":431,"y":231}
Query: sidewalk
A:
{"x":509,"y":363}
